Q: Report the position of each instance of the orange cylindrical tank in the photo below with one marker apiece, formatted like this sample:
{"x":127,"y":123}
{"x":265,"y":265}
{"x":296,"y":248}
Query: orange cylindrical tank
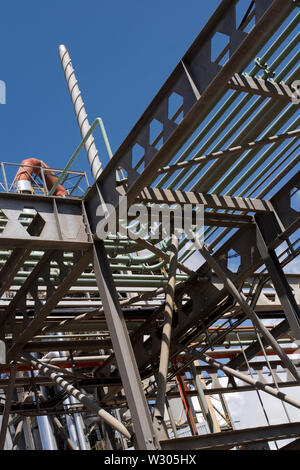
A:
{"x":32,"y":166}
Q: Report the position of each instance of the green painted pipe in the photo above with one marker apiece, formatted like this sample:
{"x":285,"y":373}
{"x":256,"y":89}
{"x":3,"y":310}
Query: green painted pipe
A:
{"x":98,"y":121}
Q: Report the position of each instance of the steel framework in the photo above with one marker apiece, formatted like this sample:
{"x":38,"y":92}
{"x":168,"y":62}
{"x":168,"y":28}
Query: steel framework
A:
{"x":100,"y":337}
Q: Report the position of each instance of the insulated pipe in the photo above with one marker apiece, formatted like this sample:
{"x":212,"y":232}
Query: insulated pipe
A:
{"x":33,"y":166}
{"x":165,"y":343}
{"x":245,"y":378}
{"x":89,"y":403}
{"x":63,"y":433}
{"x":74,"y":431}
{"x":82,"y":118}
{"x":47,"y":437}
{"x":79,"y":427}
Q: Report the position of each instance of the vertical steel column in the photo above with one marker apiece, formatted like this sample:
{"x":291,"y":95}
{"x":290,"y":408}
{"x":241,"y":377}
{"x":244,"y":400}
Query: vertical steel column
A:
{"x":82,"y":118}
{"x":210,"y":405}
{"x":79,"y":428}
{"x":281,"y":285}
{"x":189,"y":414}
{"x":7,"y":407}
{"x":123,"y":440}
{"x":158,"y":417}
{"x":122,"y":347}
{"x":171,"y":417}
{"x":202,"y":400}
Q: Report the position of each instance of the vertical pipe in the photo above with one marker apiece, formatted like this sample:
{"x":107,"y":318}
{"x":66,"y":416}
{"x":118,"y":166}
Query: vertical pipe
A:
{"x":165,"y":343}
{"x":82,"y":118}
{"x":47,"y":437}
{"x":171,"y":417}
{"x":69,"y":418}
{"x":79,"y":427}
{"x":123,"y":440}
{"x":67,"y":402}
{"x":202,"y":400}
{"x":71,"y":425}
{"x":46,"y":433}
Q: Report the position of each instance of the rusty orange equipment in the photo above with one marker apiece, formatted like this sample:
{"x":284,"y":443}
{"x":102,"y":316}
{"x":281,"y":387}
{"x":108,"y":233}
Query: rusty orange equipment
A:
{"x":32,"y":166}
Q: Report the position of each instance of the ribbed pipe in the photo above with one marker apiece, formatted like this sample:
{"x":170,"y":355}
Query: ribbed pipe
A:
{"x":82,"y":118}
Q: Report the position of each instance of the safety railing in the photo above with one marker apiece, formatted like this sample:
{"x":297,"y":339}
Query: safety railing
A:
{"x":75,"y":182}
{"x":98,"y":122}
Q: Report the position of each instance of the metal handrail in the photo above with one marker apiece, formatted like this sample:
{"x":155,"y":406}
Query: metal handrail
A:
{"x":98,"y":121}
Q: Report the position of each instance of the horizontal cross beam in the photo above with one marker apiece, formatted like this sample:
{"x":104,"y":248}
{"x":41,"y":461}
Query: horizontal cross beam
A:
{"x":212,"y":201}
{"x":230,"y":439}
{"x":231,"y":151}
{"x":258,"y":86}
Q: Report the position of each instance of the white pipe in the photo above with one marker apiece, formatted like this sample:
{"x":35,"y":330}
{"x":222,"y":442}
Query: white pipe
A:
{"x":92,"y":152}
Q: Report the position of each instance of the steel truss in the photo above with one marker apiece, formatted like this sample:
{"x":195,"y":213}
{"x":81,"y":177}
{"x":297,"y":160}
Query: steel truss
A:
{"x":128,"y":329}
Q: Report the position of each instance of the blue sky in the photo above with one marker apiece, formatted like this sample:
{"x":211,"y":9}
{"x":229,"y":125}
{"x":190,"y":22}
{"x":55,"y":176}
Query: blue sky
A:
{"x":122,"y":53}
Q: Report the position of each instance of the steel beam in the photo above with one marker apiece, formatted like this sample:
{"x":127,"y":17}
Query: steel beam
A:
{"x":295,"y":445}
{"x":245,"y":378}
{"x":231,"y":151}
{"x":209,"y":79}
{"x":258,"y":86}
{"x":7,"y":408}
{"x":248,"y":310}
{"x":205,"y":408}
{"x":35,"y":324}
{"x":22,"y":292}
{"x":183,"y":389}
{"x":229,"y":439}
{"x":61,"y":220}
{"x":81,"y":397}
{"x":11,"y":268}
{"x":211,"y":201}
{"x":279,"y":280}
{"x":123,"y":351}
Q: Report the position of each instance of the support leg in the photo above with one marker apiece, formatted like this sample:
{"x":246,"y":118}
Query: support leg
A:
{"x":7,"y":408}
{"x":281,"y":285}
{"x":123,"y":351}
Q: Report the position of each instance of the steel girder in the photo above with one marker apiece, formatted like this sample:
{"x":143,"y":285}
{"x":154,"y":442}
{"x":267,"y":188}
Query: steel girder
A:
{"x":229,"y":439}
{"x":201,"y":83}
{"x":58,"y":226}
{"x":205,"y":297}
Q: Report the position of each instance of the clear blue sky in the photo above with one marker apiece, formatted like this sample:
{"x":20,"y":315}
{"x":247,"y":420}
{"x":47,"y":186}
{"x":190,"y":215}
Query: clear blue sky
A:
{"x":122,"y":52}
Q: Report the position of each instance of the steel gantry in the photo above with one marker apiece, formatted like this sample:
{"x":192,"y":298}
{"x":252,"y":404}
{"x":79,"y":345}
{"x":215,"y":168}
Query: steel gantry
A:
{"x":101,"y":340}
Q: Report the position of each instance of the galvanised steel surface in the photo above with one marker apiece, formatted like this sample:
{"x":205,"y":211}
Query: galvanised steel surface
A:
{"x":231,"y":439}
{"x":226,"y":117}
